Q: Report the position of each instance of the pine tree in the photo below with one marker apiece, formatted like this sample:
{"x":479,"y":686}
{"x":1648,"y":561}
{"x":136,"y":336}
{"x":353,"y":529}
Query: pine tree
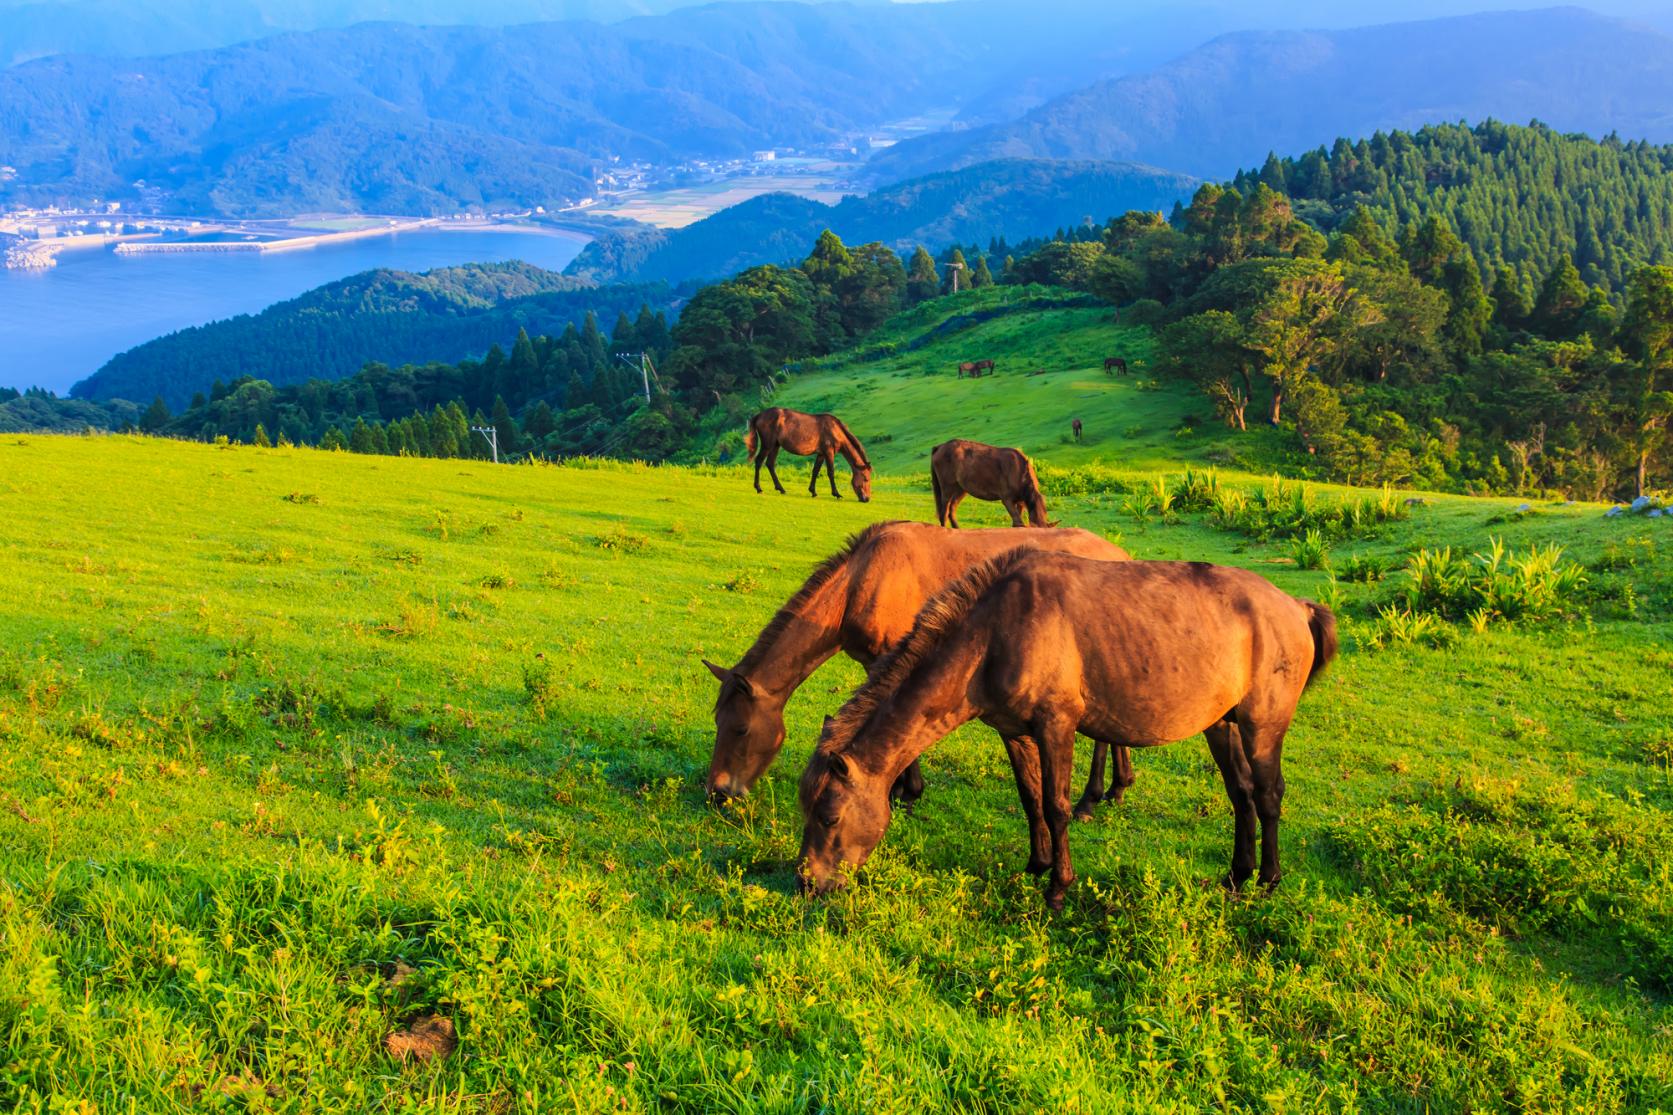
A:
{"x":332,"y":439}
{"x":981,"y":276}
{"x":260,"y":439}
{"x":156,"y":416}
{"x":922,"y":281}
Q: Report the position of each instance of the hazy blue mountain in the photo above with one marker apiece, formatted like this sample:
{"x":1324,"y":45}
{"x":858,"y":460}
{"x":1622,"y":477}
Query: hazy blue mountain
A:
{"x":394,"y":316}
{"x":134,"y":28}
{"x":391,"y":117}
{"x":1231,"y":101}
{"x":1012,"y":199}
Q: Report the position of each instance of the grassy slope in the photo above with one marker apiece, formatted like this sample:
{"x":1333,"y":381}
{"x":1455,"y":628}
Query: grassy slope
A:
{"x":911,"y":399}
{"x":258,"y":749}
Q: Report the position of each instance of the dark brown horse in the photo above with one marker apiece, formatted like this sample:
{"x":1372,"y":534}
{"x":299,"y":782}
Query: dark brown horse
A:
{"x":1117,"y":363}
{"x":1076,"y":425}
{"x":820,"y":436}
{"x":974,"y":368}
{"x":959,"y":468}
{"x":862,"y":600}
{"x":1044,"y":645}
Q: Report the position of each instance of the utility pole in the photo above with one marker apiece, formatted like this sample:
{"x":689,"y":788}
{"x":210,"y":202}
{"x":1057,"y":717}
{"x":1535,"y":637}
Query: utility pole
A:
{"x":641,"y":362}
{"x":956,"y":269}
{"x":491,"y":435}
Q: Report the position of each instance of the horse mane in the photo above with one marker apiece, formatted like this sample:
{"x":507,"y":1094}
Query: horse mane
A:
{"x":821,"y":575}
{"x":944,"y":613}
{"x":859,"y":450}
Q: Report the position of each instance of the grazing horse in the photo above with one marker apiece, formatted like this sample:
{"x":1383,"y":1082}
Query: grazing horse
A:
{"x":862,"y":600}
{"x":820,"y":436}
{"x":1076,"y":425}
{"x":1116,"y":362}
{"x":974,"y":368}
{"x":1034,"y":644}
{"x":958,"y":468}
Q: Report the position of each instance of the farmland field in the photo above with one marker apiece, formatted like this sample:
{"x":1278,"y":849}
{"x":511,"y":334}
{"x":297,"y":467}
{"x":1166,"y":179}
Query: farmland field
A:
{"x":303,"y":748}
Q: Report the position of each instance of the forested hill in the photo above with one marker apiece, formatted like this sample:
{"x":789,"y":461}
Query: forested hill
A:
{"x":393,"y":118}
{"x":1229,"y":102}
{"x":1010,"y":199}
{"x":331,"y":331}
{"x":1526,"y":197}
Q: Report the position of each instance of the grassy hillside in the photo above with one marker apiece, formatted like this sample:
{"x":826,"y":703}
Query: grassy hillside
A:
{"x":901,"y":393}
{"x":302,"y":747}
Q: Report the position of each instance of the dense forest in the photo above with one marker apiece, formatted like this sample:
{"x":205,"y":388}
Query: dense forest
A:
{"x":1008,"y":198}
{"x":331,"y":331}
{"x":1385,"y":352}
{"x":572,"y":391}
{"x":1523,"y":197}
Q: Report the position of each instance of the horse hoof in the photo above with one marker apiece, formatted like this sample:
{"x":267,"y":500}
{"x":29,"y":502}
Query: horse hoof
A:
{"x":1083,"y":812}
{"x":1054,"y":901}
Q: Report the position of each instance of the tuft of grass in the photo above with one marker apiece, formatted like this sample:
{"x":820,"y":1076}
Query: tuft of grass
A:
{"x":1363,"y":569}
{"x":621,"y":540}
{"x":1310,"y":551}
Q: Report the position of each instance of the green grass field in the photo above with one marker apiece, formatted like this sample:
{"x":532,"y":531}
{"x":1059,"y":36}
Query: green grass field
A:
{"x":301,"y":747}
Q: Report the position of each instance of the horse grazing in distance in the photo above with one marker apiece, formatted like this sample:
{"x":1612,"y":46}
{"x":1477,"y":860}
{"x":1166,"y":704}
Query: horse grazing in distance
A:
{"x":1030,"y":644}
{"x":974,"y":368}
{"x":959,"y":468}
{"x":1076,"y":426}
{"x":1117,"y":363}
{"x":862,"y":600}
{"x":820,"y":436}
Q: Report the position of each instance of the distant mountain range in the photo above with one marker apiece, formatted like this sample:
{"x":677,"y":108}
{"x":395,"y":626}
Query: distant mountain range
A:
{"x":1014,"y":199}
{"x":394,"y":118}
{"x":1228,"y":103}
{"x":394,"y":316}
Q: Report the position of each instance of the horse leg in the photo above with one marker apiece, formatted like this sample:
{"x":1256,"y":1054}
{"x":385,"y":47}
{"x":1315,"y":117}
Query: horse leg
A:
{"x":1263,"y":749}
{"x":1094,"y":792}
{"x":1223,"y":741}
{"x":1025,"y":765}
{"x":1123,"y":776}
{"x":760,"y":459}
{"x":1016,"y":512}
{"x":909,"y":787}
{"x":772,"y":469}
{"x":813,"y":482}
{"x":952,"y":508}
{"x":1055,"y":739}
{"x":830,"y":472}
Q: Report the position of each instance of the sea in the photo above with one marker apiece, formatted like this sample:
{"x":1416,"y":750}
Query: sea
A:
{"x":60,"y":325}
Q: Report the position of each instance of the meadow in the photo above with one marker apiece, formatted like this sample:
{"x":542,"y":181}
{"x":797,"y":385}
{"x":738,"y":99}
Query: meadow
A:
{"x":305,"y":752}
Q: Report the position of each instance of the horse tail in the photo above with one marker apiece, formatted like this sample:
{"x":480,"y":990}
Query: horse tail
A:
{"x":935,"y":486}
{"x":1322,"y":622}
{"x":749,"y":437}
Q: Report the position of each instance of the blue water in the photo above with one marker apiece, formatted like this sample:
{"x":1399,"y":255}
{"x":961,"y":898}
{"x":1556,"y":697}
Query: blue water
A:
{"x":58,"y":326}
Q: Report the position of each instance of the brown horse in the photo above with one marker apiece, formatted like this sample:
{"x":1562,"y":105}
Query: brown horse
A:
{"x":1116,"y":362}
{"x":1036,"y":645}
{"x":974,"y":368}
{"x":959,"y":468}
{"x":1076,"y":426}
{"x":820,"y":436}
{"x":862,"y":600}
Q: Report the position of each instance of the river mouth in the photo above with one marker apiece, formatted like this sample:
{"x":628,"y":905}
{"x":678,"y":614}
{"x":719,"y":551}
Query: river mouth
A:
{"x":61,"y":324}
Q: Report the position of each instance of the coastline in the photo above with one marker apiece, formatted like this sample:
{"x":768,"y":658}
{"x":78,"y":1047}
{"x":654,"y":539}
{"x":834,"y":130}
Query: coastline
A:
{"x":42,"y":254}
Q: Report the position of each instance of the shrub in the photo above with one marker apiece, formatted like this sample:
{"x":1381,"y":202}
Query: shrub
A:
{"x":1363,"y":569}
{"x":1152,"y":499}
{"x":623,"y":540}
{"x":1196,"y":491}
{"x":1310,"y":551}
{"x":1532,"y":586}
{"x":1396,"y":626}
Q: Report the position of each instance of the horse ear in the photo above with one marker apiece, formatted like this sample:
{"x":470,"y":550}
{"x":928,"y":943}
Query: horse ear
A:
{"x":825,"y":727}
{"x":838,"y":765}
{"x":721,"y":673}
